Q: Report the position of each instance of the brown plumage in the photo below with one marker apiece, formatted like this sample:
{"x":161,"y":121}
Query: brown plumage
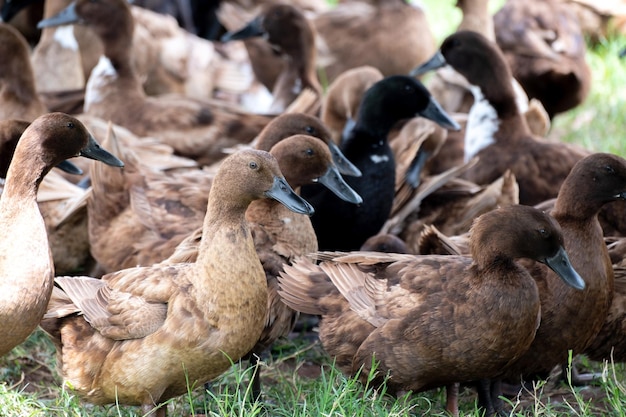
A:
{"x":153,"y":332}
{"x":26,"y":268}
{"x":194,"y":128}
{"x":545,"y":48}
{"x":398,"y":309}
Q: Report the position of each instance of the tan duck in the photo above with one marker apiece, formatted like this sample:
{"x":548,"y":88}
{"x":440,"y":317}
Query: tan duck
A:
{"x":386,"y":307}
{"x":292,"y":36}
{"x":545,"y":48}
{"x":148,"y":334}
{"x":26,"y":266}
{"x":18,"y":95}
{"x":145,"y":208}
{"x":194,"y":128}
{"x":280,"y":236}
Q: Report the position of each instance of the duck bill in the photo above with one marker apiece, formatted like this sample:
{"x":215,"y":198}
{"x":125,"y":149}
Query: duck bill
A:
{"x":252,"y":30}
{"x":343,"y":164}
{"x":435,"y":62}
{"x":66,"y":16}
{"x":414,"y":171}
{"x":437,"y":114}
{"x":283,"y":193}
{"x":94,"y":151}
{"x":334,"y":182}
{"x":70,"y":168}
{"x":561,"y":265}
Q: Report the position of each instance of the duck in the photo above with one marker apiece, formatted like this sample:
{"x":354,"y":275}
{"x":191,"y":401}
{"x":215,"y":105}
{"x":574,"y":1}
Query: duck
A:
{"x":496,"y":132}
{"x":108,"y":330}
{"x":27,"y":269}
{"x":292,"y":36}
{"x":384,"y":308}
{"x":146,"y":208}
{"x":341,"y":225}
{"x":18,"y":98}
{"x":279,"y":236}
{"x":544,"y":46}
{"x":198,"y":129}
{"x":593,"y":182}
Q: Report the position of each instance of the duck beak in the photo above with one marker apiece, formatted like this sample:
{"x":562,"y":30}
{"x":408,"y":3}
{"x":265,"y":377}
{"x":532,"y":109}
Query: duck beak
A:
{"x":252,"y":30}
{"x":70,"y":168}
{"x":283,"y":193}
{"x":66,"y":16}
{"x":94,"y":151}
{"x":343,"y":164}
{"x":333,"y":180}
{"x":436,"y":61}
{"x":437,"y":114}
{"x":412,"y":175}
{"x":561,"y":265}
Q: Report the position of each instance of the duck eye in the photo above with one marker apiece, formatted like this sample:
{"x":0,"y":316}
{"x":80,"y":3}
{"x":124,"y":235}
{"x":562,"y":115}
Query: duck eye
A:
{"x":309,"y":129}
{"x":309,"y":152}
{"x":609,"y":169}
{"x":408,"y":88}
{"x":70,"y":125}
{"x":253,"y":165}
{"x":543,"y":232}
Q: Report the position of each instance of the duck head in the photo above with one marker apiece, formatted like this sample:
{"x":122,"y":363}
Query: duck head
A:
{"x":306,"y":159}
{"x":264,"y":176}
{"x":289,"y":124}
{"x":65,"y":137}
{"x":282,"y":25}
{"x":396,"y":98}
{"x":538,"y":236}
{"x":482,"y":64}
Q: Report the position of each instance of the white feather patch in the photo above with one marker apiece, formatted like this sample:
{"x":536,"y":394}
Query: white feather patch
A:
{"x":102,"y":75}
{"x":64,"y":36}
{"x":482,"y":123}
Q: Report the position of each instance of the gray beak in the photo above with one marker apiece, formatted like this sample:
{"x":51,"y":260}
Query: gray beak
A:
{"x":283,"y":193}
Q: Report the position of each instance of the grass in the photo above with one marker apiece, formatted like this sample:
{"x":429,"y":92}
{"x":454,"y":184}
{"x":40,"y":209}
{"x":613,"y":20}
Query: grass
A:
{"x":300,"y":379}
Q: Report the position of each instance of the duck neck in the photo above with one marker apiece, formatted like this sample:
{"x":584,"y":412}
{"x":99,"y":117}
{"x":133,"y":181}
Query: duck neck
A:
{"x":23,"y":179}
{"x":226,"y":236}
{"x":299,"y":72}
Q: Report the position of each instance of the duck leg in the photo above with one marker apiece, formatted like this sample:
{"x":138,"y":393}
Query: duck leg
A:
{"x":489,"y":392}
{"x":452,"y":399}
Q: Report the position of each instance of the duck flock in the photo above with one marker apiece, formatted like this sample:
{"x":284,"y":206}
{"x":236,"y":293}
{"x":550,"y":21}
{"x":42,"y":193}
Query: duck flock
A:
{"x":254,"y":161}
